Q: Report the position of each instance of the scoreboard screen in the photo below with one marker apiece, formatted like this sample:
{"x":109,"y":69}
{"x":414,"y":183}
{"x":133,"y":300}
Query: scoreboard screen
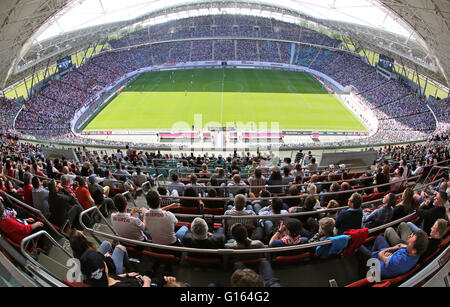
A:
{"x":64,"y":63}
{"x":386,"y":62}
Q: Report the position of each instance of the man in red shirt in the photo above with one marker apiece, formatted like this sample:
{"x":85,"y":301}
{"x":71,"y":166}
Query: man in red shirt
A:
{"x":82,"y":193}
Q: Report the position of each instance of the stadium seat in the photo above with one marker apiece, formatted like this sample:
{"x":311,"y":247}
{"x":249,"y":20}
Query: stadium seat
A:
{"x":188,"y":210}
{"x":214,"y":211}
{"x":364,"y":282}
{"x":75,"y":284}
{"x":291,"y":259}
{"x":383,"y":284}
{"x":250,"y":261}
{"x":167,"y":258}
{"x":204,"y":260}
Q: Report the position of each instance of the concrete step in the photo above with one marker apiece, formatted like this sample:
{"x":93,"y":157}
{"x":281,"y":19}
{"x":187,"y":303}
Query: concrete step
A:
{"x":59,"y":269}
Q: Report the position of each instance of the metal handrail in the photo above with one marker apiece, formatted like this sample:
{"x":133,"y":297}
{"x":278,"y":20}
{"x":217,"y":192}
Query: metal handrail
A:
{"x":157,"y":180}
{"x":35,"y":266}
{"x":35,"y":211}
{"x":24,"y":244}
{"x":132,"y":199}
{"x":225,"y":251}
{"x":319,"y":211}
{"x":97,"y":211}
{"x":440,"y":168}
{"x":288,"y":197}
{"x":243,"y":171}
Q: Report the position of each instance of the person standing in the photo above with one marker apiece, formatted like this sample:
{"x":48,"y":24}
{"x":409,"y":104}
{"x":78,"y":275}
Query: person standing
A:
{"x":40,"y":196}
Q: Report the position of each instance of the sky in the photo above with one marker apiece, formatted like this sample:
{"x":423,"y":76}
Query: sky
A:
{"x":86,"y":13}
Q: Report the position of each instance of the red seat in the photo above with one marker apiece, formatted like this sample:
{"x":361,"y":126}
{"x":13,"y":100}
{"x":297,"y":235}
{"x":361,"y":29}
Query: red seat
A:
{"x":382,"y":285}
{"x":214,"y":211}
{"x":359,"y":186}
{"x":75,"y":284}
{"x":378,"y":195}
{"x":402,"y":277}
{"x":248,"y":261}
{"x":10,"y":241}
{"x":114,"y":191}
{"x":162,"y":257}
{"x":444,"y":242}
{"x":188,"y":210}
{"x":217,"y":225}
{"x":203,"y":261}
{"x":359,"y":283}
{"x":278,"y":194}
{"x":30,"y":247}
{"x":292,"y":258}
{"x":188,"y":225}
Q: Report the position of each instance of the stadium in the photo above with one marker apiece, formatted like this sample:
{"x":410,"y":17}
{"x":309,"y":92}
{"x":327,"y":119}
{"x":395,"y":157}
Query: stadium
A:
{"x":287,"y":143}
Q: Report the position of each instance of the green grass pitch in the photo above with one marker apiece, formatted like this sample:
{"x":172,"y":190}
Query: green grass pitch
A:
{"x":249,"y":99}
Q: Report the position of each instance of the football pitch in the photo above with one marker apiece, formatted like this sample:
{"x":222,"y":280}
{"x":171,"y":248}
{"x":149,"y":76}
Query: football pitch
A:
{"x":246,"y":99}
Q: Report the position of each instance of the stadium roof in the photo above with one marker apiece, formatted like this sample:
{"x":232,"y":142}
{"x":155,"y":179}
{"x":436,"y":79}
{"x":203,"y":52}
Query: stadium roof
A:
{"x":36,"y":32}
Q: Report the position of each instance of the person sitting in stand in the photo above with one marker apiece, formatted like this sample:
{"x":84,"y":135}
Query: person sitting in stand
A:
{"x":275,"y":208}
{"x":199,"y":237}
{"x":97,"y":273}
{"x":16,"y":229}
{"x":381,"y":215}
{"x":288,"y":234}
{"x":239,"y":210}
{"x":125,"y":223}
{"x":396,"y":260}
{"x":204,"y":172}
{"x":191,"y":192}
{"x":83,"y":195}
{"x":407,"y":205}
{"x":350,"y":218}
{"x":63,"y":206}
{"x":248,"y":278}
{"x":326,"y":229}
{"x":161,"y":223}
{"x":105,"y":204}
{"x":432,"y":209}
{"x":240,"y":239}
{"x":404,"y":230}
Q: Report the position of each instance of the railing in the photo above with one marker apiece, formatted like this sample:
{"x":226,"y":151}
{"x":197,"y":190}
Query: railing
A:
{"x":225,"y":251}
{"x":47,"y":275}
{"x":37,"y":212}
{"x":440,"y":169}
{"x":290,"y":196}
{"x":368,"y":204}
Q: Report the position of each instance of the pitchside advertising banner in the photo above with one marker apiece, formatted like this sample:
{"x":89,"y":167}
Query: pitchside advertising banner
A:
{"x":330,"y":133}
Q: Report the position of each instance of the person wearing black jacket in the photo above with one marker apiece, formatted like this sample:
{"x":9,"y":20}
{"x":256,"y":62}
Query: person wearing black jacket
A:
{"x":199,"y":237}
{"x":105,"y":204}
{"x":62,"y":205}
{"x":96,"y":271}
{"x":431,"y":210}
